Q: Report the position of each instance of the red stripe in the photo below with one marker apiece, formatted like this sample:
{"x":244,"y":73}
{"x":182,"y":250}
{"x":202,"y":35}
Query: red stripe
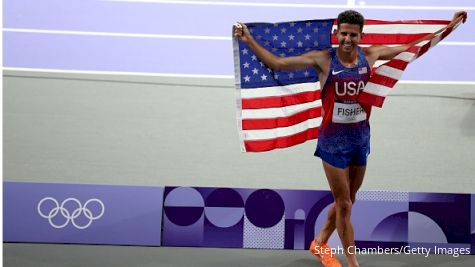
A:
{"x":384,"y":22}
{"x":257,"y":124}
{"x":385,"y":39}
{"x":397,"y":64}
{"x":281,"y":142}
{"x":383,"y":80}
{"x":370,"y":99}
{"x":446,"y":32}
{"x":280,"y":101}
{"x":413,"y":49}
{"x":424,"y":49}
{"x":381,"y":38}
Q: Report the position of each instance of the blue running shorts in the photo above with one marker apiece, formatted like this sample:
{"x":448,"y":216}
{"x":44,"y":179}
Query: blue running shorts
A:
{"x":356,"y":156}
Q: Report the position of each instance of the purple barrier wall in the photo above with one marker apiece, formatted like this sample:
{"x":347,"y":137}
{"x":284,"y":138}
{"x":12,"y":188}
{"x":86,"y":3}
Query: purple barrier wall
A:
{"x":417,"y":223}
{"x":289,"y":219}
{"x":84,"y":214}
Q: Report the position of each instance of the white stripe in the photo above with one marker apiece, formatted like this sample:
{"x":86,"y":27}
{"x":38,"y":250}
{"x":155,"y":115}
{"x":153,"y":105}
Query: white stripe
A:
{"x":376,"y":89}
{"x":406,"y":56}
{"x":164,"y":36}
{"x":184,"y":75}
{"x":281,"y":132}
{"x":379,"y":63}
{"x":402,"y":28}
{"x":290,"y":89}
{"x":436,"y":40}
{"x":294,"y":5}
{"x":118,"y":34}
{"x":389,"y":72}
{"x":280,"y":112}
{"x":422,"y":43}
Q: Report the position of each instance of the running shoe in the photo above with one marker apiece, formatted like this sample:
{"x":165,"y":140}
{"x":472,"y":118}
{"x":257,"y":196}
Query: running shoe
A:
{"x":323,"y":253}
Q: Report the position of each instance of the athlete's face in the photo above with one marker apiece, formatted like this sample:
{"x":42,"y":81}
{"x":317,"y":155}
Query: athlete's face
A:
{"x":349,"y":36}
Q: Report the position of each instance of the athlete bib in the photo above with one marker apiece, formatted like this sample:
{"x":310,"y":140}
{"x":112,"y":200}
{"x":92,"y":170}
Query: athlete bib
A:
{"x":348,"y":113}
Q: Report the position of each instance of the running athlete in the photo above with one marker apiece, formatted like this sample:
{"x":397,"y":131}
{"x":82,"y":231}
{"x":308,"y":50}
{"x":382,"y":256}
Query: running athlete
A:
{"x":344,"y":135}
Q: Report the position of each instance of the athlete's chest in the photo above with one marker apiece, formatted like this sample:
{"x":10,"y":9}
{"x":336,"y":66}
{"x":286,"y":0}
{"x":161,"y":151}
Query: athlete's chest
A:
{"x":346,"y":82}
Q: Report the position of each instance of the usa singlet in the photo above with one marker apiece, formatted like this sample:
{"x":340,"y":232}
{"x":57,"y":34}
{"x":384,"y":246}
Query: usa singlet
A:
{"x":344,"y":134}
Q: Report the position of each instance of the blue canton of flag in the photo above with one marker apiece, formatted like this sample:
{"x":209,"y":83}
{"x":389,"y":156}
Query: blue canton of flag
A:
{"x":283,"y":40}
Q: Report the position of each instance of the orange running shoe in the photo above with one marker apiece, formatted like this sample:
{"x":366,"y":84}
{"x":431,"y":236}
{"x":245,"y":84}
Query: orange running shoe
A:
{"x":323,"y":253}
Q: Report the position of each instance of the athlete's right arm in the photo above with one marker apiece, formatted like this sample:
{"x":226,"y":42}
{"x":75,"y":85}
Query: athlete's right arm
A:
{"x":309,"y":59}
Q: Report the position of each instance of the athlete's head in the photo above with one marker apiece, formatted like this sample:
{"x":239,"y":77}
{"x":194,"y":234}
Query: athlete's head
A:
{"x":351,"y":17}
{"x":350,"y":29}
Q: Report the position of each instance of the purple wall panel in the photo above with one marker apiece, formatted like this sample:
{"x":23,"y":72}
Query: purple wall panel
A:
{"x":80,"y":213}
{"x":290,"y":218}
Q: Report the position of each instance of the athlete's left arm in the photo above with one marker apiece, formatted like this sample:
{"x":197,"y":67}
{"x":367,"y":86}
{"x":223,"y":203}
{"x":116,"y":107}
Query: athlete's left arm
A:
{"x":382,"y":52}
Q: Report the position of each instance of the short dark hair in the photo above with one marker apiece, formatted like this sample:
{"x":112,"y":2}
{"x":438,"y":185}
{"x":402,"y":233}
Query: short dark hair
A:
{"x":351,"y":17}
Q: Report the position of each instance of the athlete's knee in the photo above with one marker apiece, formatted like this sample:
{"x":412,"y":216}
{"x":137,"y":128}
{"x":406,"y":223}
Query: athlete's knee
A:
{"x":344,"y":205}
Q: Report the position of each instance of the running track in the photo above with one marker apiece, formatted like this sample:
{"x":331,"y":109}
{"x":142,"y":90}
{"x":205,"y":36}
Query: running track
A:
{"x":155,"y":37}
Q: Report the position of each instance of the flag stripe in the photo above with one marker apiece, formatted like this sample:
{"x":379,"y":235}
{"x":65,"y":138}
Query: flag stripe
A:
{"x":385,"y":39}
{"x":282,"y":101}
{"x":278,"y":112}
{"x":401,"y":28}
{"x":383,"y":80}
{"x":376,"y":89}
{"x":254,"y":124}
{"x":397,"y":64}
{"x":374,"y":99}
{"x":279,"y":90}
{"x":390,"y":72}
{"x":405,"y":56}
{"x":266,"y":134}
{"x":282,"y":142}
{"x":414,"y":22}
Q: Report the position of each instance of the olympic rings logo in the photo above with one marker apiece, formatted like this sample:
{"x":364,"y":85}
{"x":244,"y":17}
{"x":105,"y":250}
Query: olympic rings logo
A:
{"x":70,"y":216}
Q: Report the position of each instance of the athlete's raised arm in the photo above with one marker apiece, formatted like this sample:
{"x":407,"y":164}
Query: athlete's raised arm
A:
{"x":309,"y":59}
{"x":381,"y":52}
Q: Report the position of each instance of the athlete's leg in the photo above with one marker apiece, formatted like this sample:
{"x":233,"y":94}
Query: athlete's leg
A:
{"x":339,"y":181}
{"x":356,"y":174}
{"x":356,"y":179}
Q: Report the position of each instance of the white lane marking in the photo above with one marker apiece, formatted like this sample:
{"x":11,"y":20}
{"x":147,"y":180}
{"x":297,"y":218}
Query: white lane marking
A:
{"x":119,"y":34}
{"x":296,"y":5}
{"x":159,"y":36}
{"x":182,"y":75}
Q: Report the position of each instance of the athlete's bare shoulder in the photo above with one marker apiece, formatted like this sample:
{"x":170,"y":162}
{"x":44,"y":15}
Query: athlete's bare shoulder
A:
{"x":371,"y":50}
{"x":372,"y":53}
{"x":321,"y":58}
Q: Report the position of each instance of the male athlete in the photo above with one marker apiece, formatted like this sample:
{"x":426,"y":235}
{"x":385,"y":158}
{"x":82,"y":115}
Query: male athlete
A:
{"x":344,"y":135}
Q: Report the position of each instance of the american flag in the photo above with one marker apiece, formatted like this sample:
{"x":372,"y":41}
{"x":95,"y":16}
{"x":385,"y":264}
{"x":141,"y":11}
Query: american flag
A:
{"x":279,"y":109}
